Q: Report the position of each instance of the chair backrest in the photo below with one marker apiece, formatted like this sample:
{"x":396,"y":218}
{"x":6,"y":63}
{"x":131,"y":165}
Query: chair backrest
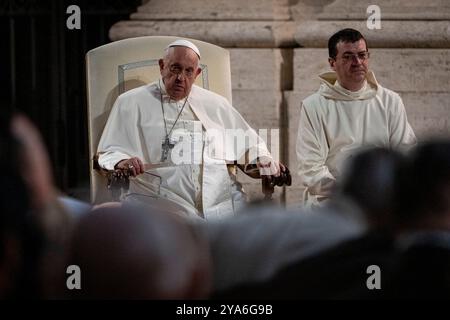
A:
{"x":126,"y":64}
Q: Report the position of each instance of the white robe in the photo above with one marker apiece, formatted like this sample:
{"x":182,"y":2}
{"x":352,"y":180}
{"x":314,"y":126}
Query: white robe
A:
{"x":335,"y":123}
{"x":135,"y":128}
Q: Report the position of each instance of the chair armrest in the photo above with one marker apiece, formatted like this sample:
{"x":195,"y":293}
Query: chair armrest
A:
{"x":268,"y":182}
{"x":118,"y":179}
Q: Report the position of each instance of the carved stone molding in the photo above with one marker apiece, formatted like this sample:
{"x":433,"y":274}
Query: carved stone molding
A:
{"x":393,"y":34}
{"x":242,"y":34}
{"x":390,"y":10}
{"x":213,"y":10}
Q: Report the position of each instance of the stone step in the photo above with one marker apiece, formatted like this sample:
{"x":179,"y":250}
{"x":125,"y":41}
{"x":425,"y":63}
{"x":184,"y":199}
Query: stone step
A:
{"x":243,"y":34}
{"x":389,"y":10}
{"x":213,"y":10}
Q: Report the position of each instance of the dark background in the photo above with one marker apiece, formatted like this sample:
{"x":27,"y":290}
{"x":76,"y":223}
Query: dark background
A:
{"x":42,"y":74}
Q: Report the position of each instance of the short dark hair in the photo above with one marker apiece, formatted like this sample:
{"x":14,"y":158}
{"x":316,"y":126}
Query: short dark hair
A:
{"x":345,"y":35}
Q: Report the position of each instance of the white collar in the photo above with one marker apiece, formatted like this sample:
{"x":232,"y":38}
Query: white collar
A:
{"x":354,"y":94}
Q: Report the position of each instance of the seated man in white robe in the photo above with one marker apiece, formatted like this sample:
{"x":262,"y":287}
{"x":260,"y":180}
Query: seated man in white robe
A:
{"x":349,"y":111}
{"x":176,"y":139}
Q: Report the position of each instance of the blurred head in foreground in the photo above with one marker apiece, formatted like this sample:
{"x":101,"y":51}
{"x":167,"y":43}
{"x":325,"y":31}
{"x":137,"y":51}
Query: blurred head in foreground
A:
{"x":371,"y":182}
{"x":424,"y":200}
{"x":129,"y":253}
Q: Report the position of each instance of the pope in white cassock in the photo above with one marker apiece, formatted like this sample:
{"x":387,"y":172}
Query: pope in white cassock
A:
{"x":177,"y":139}
{"x":349,"y":111}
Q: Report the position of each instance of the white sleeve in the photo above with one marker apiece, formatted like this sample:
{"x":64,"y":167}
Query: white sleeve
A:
{"x":401,"y":135}
{"x":107,"y":160}
{"x":120,"y":139}
{"x":312,"y":152}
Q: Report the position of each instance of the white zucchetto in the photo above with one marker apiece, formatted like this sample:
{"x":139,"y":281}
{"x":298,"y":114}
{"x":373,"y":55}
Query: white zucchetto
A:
{"x":185,"y":43}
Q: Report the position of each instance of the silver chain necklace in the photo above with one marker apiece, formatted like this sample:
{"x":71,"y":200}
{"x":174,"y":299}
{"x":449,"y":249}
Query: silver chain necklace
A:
{"x":167,"y":145}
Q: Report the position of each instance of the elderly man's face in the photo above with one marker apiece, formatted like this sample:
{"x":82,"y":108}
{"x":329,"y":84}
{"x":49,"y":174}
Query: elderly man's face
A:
{"x":179,"y":69}
{"x":351,"y":64}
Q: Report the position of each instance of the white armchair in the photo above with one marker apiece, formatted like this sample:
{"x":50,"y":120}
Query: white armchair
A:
{"x":123,"y":65}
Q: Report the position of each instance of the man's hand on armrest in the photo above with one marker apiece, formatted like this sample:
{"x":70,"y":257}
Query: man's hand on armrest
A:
{"x":133,"y":165}
{"x":269,"y":167}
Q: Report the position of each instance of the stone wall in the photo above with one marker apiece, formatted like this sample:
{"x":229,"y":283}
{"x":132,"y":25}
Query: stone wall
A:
{"x":278,"y":47}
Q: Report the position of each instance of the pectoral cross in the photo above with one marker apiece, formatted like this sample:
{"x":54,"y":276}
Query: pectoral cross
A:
{"x":166,"y":146}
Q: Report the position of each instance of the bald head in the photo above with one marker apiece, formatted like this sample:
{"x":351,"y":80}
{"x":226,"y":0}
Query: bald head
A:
{"x":132,"y":254}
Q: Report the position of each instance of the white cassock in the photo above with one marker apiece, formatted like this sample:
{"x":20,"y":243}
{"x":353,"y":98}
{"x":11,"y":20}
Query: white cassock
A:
{"x":335,"y":123}
{"x":195,"y":175}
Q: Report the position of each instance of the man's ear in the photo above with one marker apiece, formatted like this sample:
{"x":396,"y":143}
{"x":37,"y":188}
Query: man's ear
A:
{"x":161,"y":64}
{"x":332,"y":61}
